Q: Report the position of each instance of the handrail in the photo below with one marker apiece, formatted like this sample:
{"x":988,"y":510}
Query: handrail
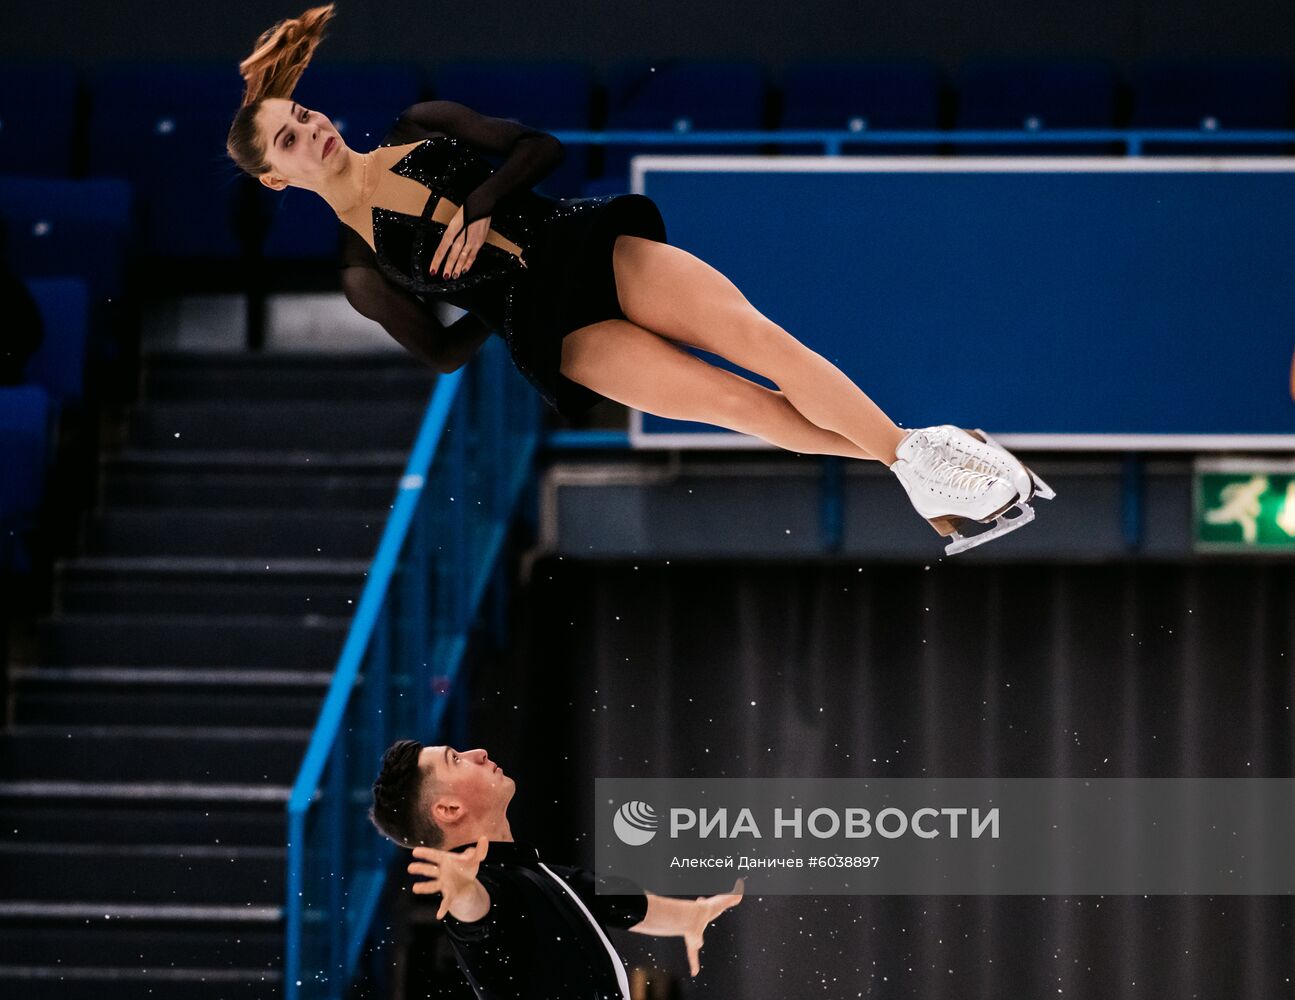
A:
{"x":832,"y":140}
{"x":381,"y":572}
{"x":454,"y":503}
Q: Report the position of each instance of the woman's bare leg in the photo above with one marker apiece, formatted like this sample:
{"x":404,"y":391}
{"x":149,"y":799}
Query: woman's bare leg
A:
{"x":636,"y":367}
{"x":670,"y":292}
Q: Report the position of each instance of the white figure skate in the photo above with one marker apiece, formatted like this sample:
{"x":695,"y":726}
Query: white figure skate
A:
{"x":976,"y":450}
{"x":949,"y":495}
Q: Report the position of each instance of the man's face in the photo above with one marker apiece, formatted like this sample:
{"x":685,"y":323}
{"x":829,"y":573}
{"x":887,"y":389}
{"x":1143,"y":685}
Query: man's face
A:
{"x":467,"y":786}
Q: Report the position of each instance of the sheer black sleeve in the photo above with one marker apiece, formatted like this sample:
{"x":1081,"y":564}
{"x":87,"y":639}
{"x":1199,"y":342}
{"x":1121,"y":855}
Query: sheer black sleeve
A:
{"x":531,"y":155}
{"x":411,"y":322}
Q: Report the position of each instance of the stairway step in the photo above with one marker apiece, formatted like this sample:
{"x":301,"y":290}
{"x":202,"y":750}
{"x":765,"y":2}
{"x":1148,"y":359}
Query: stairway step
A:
{"x":139,"y":914}
{"x":268,"y":426}
{"x":197,"y":597}
{"x":122,"y":813}
{"x":269,"y":757}
{"x":219,"y":376}
{"x":249,"y":569}
{"x":281,"y":533}
{"x":111,"y":937}
{"x":231,"y":875}
{"x":137,"y":485}
{"x":295,"y":481}
{"x":144,"y":777}
{"x":137,"y":826}
{"x":197,"y":585}
{"x":304,"y":643}
{"x":66,"y":982}
{"x":360,"y":461}
{"x":210,"y":596}
{"x":152,"y":697}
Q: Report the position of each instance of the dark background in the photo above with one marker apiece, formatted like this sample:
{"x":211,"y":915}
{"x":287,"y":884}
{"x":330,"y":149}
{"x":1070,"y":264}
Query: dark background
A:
{"x":1119,"y":670}
{"x":602,"y":32}
{"x":897,"y":671}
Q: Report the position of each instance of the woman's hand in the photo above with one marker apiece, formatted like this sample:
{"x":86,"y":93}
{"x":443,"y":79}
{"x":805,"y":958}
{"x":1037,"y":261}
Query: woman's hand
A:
{"x":454,"y":875}
{"x":707,"y":909}
{"x":458,"y":247}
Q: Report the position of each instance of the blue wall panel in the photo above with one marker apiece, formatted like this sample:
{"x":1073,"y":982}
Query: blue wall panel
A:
{"x":1099,"y":299}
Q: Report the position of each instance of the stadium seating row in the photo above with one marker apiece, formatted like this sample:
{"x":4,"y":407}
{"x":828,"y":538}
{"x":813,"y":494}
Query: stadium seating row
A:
{"x":74,"y":243}
{"x":161,"y":126}
{"x":25,"y":452}
{"x":133,"y":162}
{"x":29,"y":414}
{"x":39,"y":103}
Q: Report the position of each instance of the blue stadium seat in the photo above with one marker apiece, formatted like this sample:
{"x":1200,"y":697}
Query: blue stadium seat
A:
{"x":162,"y":126}
{"x":1035,"y":95}
{"x":59,"y":365}
{"x":378,"y":89}
{"x":549,"y":95}
{"x":70,"y":227}
{"x":38,"y":118}
{"x":25,"y":456}
{"x":362,"y":101}
{"x":857,"y":96}
{"x":1211,"y":95}
{"x":679,"y":95}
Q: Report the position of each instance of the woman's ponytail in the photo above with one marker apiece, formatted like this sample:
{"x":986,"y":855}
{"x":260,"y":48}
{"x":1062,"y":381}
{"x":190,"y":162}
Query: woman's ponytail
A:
{"x":282,"y":54}
{"x":278,"y":59}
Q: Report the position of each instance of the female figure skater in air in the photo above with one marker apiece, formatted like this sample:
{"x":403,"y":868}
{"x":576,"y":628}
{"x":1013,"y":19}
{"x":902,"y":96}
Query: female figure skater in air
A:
{"x":590,"y":298}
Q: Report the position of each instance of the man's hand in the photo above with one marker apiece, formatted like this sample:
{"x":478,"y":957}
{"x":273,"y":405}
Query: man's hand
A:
{"x":454,"y":875}
{"x":458,"y":248}
{"x":707,"y":908}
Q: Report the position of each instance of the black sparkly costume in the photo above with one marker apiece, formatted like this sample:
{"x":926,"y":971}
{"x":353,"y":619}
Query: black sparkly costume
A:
{"x":561,"y":281}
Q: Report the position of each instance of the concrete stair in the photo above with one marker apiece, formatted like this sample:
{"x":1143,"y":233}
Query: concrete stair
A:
{"x":157,"y":731}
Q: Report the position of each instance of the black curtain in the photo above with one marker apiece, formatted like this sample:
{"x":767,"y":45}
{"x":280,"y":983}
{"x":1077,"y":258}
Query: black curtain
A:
{"x":944,"y":670}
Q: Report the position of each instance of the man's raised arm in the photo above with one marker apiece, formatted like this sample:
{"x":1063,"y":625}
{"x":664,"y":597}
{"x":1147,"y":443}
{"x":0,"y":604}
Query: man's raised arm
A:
{"x":686,"y":918}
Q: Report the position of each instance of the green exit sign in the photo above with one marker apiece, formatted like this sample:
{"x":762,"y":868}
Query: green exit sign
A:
{"x":1245,"y":505}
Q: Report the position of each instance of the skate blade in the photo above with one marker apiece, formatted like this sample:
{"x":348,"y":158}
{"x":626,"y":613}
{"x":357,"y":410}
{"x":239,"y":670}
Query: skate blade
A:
{"x":946,"y":526}
{"x":1002,"y":525}
{"x":1039,"y":488}
{"x":951,"y":524}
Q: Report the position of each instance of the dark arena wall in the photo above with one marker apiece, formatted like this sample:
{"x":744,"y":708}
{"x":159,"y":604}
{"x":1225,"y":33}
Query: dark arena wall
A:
{"x":841,"y":671}
{"x":771,"y":32}
{"x":267,"y":524}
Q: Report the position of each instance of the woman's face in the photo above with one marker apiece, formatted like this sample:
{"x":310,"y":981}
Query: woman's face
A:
{"x":302,"y":147}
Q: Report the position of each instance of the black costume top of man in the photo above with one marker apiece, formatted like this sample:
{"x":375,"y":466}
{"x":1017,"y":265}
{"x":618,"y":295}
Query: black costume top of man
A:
{"x":544,"y":936}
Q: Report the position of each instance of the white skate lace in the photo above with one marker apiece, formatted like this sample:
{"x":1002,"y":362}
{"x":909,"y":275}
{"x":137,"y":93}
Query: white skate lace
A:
{"x":967,"y":458}
{"x":945,"y":473}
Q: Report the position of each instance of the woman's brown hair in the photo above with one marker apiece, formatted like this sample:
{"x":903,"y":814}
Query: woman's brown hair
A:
{"x":278,"y":59}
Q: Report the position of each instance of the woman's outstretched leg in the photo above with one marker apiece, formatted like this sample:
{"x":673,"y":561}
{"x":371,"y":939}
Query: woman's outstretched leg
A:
{"x":672,"y":293}
{"x":642,"y":369}
{"x":636,"y":367}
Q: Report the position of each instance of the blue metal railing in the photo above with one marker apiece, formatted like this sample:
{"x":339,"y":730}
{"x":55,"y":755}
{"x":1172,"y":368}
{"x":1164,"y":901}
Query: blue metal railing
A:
{"x":454,"y":503}
{"x":833,"y":141}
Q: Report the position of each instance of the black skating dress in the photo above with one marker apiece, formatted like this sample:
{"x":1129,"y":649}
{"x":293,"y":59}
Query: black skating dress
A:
{"x":546,"y":270}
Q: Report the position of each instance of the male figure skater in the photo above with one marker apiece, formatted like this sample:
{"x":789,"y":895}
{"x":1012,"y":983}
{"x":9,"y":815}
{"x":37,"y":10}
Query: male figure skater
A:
{"x":521,"y":929}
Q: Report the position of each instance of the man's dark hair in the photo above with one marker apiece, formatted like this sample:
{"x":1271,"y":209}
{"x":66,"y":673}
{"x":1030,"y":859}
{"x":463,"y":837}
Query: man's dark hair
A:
{"x":397,"y":799}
